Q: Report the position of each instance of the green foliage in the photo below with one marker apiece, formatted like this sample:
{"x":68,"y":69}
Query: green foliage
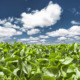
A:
{"x":20,"y":61}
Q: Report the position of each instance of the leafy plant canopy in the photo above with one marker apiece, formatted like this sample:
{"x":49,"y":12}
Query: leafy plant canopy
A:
{"x":20,"y":61}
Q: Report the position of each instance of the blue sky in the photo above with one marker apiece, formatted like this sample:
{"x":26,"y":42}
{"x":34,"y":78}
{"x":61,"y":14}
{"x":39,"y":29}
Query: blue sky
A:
{"x":40,"y":21}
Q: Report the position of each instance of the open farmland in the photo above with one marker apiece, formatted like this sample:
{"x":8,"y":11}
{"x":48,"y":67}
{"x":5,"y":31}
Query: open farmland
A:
{"x":20,"y":61}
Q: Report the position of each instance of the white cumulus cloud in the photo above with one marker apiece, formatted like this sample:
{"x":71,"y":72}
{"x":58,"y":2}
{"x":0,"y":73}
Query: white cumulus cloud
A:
{"x":33,"y":31}
{"x":3,"y":21}
{"x":28,"y":39}
{"x":75,"y":22}
{"x":45,"y":17}
{"x":62,"y":38}
{"x":8,"y":32}
{"x":59,"y":32}
{"x":43,"y":36}
{"x":10,"y":19}
{"x":9,"y":24}
{"x":72,"y":31}
{"x":42,"y":40}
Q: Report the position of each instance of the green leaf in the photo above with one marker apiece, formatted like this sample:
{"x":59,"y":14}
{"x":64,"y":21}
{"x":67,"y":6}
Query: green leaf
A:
{"x":71,"y":68}
{"x":15,"y":71}
{"x":43,"y":60}
{"x":22,"y":52}
{"x":26,"y":68}
{"x":66,"y":61}
{"x":36,"y":76}
{"x":75,"y":47}
{"x":47,"y":75}
{"x":64,"y":74}
{"x":48,"y":78}
{"x":54,"y":69}
{"x":77,"y":73}
{"x":5,"y":70}
{"x":11,"y":58}
{"x":1,"y":74}
{"x":5,"y":50}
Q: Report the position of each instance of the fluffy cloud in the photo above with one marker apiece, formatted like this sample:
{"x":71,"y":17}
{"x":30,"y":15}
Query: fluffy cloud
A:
{"x":28,"y":9}
{"x":22,"y":40}
{"x":60,"y":32}
{"x":71,"y":32}
{"x":62,"y":38}
{"x":33,"y":40}
{"x":77,"y":37}
{"x":74,"y":22}
{"x":8,"y":32}
{"x":45,"y":17}
{"x":66,"y":35}
{"x":18,"y":33}
{"x":4,"y":32}
{"x":74,"y":30}
{"x":10,"y":19}
{"x":3,"y":21}
{"x":33,"y":31}
{"x":43,"y":36}
{"x":28,"y":39}
{"x":8,"y":24}
{"x":42,"y":40}
{"x":2,"y":39}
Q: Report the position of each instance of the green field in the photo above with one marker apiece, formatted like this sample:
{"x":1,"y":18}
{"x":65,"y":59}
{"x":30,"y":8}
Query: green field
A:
{"x":20,"y":61}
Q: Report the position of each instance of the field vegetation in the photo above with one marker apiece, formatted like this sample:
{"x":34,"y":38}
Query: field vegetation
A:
{"x":20,"y":61}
